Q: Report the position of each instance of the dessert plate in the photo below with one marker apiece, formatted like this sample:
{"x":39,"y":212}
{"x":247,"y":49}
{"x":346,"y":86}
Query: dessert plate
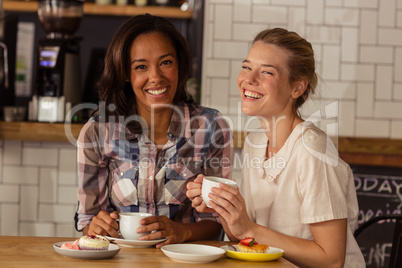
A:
{"x":192,"y":253}
{"x":270,"y":255}
{"x":86,"y":254}
{"x":134,"y":243}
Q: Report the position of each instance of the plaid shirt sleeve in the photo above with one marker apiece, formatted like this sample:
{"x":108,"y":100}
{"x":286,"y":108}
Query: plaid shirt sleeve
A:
{"x":92,"y":175}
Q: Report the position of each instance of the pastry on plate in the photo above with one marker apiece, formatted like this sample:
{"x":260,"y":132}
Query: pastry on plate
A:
{"x":93,"y":242}
{"x":249,"y":245}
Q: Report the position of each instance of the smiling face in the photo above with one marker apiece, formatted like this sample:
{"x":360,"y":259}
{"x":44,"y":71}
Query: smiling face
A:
{"x":264,"y":82}
{"x":154,"y":71}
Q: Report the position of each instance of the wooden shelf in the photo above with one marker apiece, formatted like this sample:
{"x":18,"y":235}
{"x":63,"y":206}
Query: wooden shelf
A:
{"x":34,"y":131}
{"x":108,"y":10}
{"x":358,"y":151}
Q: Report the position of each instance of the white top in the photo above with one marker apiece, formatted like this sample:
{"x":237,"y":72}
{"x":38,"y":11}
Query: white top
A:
{"x":305,"y":182}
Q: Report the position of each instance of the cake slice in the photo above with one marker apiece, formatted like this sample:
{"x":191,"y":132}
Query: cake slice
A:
{"x":249,"y":245}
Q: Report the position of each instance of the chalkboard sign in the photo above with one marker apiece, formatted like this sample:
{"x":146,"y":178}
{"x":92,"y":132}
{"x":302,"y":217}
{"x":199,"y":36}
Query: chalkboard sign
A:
{"x":379,"y":191}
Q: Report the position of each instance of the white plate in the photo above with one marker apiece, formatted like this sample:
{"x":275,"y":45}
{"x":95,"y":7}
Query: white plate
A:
{"x":86,"y":254}
{"x":192,"y":253}
{"x":134,"y":243}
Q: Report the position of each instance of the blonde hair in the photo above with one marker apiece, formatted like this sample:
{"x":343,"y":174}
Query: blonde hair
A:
{"x":301,"y":62}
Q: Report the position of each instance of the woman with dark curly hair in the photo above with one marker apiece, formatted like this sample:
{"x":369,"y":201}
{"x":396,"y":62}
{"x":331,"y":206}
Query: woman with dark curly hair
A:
{"x":148,"y":139}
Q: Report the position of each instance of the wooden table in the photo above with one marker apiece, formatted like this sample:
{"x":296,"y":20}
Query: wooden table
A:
{"x":28,"y":251}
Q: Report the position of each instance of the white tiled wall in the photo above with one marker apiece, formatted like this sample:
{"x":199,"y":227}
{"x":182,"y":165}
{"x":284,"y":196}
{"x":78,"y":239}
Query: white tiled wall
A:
{"x":38,"y":188}
{"x":358,"y":47}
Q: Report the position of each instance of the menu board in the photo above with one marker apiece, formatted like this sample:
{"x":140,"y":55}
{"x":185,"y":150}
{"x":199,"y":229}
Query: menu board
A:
{"x":379,"y":191}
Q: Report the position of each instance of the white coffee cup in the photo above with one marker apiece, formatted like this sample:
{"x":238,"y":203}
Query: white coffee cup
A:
{"x":210,"y":182}
{"x":129,"y":222}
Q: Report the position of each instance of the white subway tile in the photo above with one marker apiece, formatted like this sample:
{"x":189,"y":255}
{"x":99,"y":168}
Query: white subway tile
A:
{"x":56,"y":213}
{"x":361,"y":4}
{"x":235,"y":68}
{"x":52,"y":145}
{"x":20,"y":174}
{"x":297,"y":20}
{"x":357,"y":72}
{"x":372,"y":128}
{"x":331,"y":55}
{"x":384,"y":84}
{"x":368,"y":27}
{"x":31,"y":143}
{"x":235,"y":105}
{"x":315,"y":12}
{"x":37,"y":229}
{"x":289,"y":2}
{"x":242,"y":11}
{"x":399,"y":18}
{"x":9,"y":193}
{"x":396,"y":129}
{"x":221,"y":1}
{"x":346,"y":124}
{"x":247,"y":31}
{"x":338,"y":90}
{"x":68,"y":167}
{"x":223,"y":22}
{"x":323,"y":34}
{"x":390,"y":36}
{"x":388,"y":110}
{"x":386,"y":13}
{"x":29,"y":203}
{"x":398,"y":65}
{"x":40,"y":156}
{"x":230,"y":50}
{"x":341,"y":16}
{"x":66,"y":230}
{"x":375,"y":54}
{"x":269,"y":14}
{"x":9,"y":219}
{"x":219,"y":94}
{"x":208,"y":42}
{"x":261,"y":1}
{"x":397,"y":91}
{"x":48,"y":185}
{"x":365,"y":100}
{"x":218,"y":68}
{"x":12,"y":151}
{"x":350,"y":44}
{"x":67,"y":194}
{"x":334,"y":3}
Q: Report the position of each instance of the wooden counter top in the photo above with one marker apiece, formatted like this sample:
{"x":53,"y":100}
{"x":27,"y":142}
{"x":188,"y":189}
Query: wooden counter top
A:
{"x":110,"y":10}
{"x":30,"y":251}
{"x":370,"y":151}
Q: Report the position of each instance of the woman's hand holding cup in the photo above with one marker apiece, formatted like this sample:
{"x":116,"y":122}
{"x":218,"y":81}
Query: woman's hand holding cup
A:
{"x":200,"y":188}
{"x":209,"y":182}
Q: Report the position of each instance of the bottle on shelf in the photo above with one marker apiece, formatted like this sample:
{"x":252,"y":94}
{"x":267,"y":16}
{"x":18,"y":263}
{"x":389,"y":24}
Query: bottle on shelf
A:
{"x":140,"y":2}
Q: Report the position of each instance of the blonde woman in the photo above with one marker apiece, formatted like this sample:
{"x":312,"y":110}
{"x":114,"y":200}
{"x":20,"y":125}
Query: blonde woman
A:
{"x":296,"y":194}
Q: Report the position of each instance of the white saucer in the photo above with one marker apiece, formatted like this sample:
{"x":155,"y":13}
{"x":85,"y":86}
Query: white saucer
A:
{"x":192,"y":253}
{"x":134,"y":243}
{"x":86,"y":254}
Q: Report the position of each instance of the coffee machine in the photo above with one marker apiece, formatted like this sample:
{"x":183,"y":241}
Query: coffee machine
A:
{"x":58,"y":76}
{"x":8,"y":44}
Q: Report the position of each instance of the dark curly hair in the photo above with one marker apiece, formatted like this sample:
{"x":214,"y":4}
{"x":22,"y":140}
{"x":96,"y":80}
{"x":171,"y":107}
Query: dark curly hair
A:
{"x":114,"y":90}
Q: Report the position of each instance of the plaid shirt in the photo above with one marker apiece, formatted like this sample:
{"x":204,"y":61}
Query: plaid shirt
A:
{"x":121,"y":170}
